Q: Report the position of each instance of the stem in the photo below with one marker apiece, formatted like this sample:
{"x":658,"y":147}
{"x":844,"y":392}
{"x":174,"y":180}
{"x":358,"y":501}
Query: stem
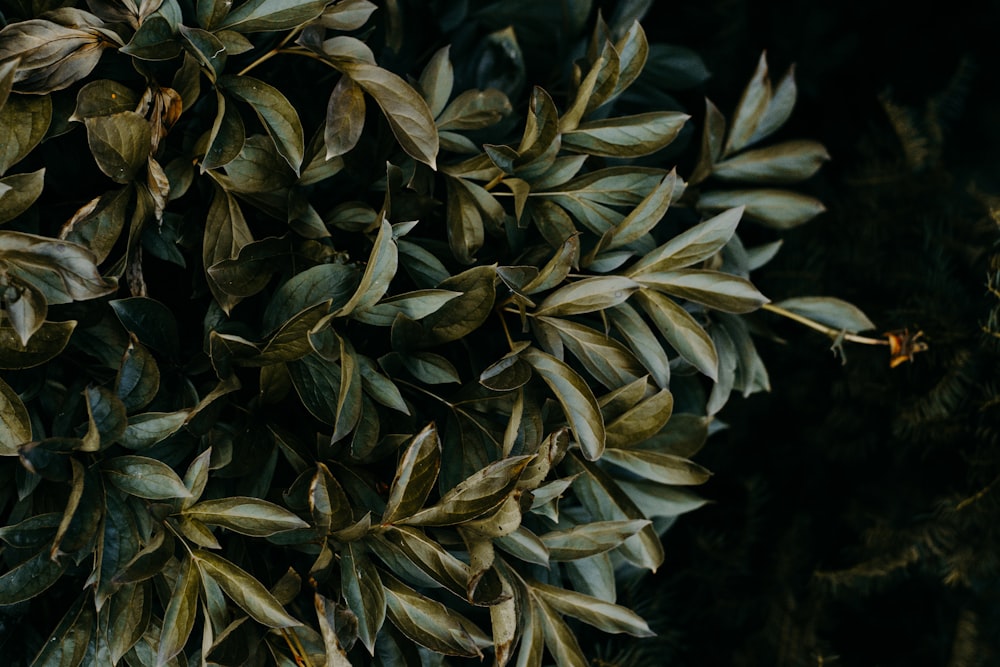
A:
{"x":273,"y":52}
{"x":495,"y":182}
{"x":829,"y":331}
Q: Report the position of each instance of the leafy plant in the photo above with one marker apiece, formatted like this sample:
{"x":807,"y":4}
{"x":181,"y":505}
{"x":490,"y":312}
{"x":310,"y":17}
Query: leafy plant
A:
{"x":323,"y":365}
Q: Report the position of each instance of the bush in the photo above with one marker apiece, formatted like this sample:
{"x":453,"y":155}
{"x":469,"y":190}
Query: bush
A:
{"x":317,"y":347}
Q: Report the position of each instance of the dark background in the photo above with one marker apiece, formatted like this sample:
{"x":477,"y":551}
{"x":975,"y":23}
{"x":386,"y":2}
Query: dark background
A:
{"x":838,"y":534}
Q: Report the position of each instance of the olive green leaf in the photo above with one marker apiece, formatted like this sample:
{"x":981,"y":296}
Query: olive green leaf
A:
{"x":206,"y":48}
{"x":507,"y":374}
{"x":524,"y":545}
{"x":119,"y":143}
{"x":30,"y":578}
{"x":595,"y":89}
{"x":504,"y":623}
{"x":254,"y":265}
{"x":662,"y":468}
{"x":379,"y":387}
{"x":428,"y":556}
{"x":345,"y":118}
{"x":152,"y":322}
{"x":691,"y":246}
{"x":655,"y":499}
{"x":18,"y":192}
{"x":641,"y":421}
{"x":7,"y":71}
{"x":103,"y":97}
{"x":226,"y":232}
{"x":463,"y":314}
{"x":415,"y":476}
{"x":349,"y":398}
{"x":23,"y":123}
{"x":179,"y":616}
{"x":147,"y":429}
{"x":592,"y":611}
{"x":247,"y":516}
{"x":646,"y":215}
{"x":405,"y":110}
{"x":271,"y":15}
{"x":247,"y":592}
{"x":589,"y":538}
{"x":778,"y":209}
{"x":317,"y":382}
{"x":588,"y":295}
{"x":576,"y":398}
{"x":557,"y":268}
{"x":473,"y":110}
{"x":379,"y":272}
{"x":715,"y":289}
{"x":106,"y":417}
{"x":347,"y":14}
{"x":225,"y":142}
{"x":681,"y":330}
{"x":626,"y":136}
{"x":15,"y":424}
{"x":633,"y":51}
{"x":429,"y":368}
{"x":415,"y":305}
{"x":327,"y":501}
{"x":363,"y":593}
{"x":437,"y":80}
{"x":559,"y":638}
{"x":56,"y":51}
{"x":786,"y":162}
{"x":68,"y":643}
{"x":712,"y":136}
{"x":466,"y":230}
{"x":145,"y":478}
{"x":594,"y":576}
{"x":129,"y":613}
{"x":44,"y":344}
{"x":334,"y":283}
{"x":761,"y":110}
{"x":431,"y":624}
{"x":474,"y":496}
{"x":138,"y":377}
{"x":154,"y":40}
{"x":642,"y":341}
{"x":98,"y":223}
{"x":532,"y":644}
{"x":607,"y":360}
{"x":275,"y":112}
{"x":830,"y":311}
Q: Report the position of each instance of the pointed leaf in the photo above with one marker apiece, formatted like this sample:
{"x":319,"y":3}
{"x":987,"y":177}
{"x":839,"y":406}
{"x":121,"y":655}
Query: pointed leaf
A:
{"x":681,"y":330}
{"x":415,"y":476}
{"x":145,"y":478}
{"x":24,"y":121}
{"x":247,"y":516}
{"x":691,"y":246}
{"x":15,"y":424}
{"x":778,"y":209}
{"x":119,"y":143}
{"x":787,"y":162}
{"x":626,"y":136}
{"x":381,"y":268}
{"x":272,"y":15}
{"x":593,"y":611}
{"x":431,"y":624}
{"x":588,"y":295}
{"x":715,"y":289}
{"x":243,"y":589}
{"x":589,"y":539}
{"x":485,"y":490}
{"x":830,"y":311}
{"x":18,"y":192}
{"x":345,"y":118}
{"x":30,"y":578}
{"x":662,"y":468}
{"x":272,"y":108}
{"x":45,"y":343}
{"x":179,"y":617}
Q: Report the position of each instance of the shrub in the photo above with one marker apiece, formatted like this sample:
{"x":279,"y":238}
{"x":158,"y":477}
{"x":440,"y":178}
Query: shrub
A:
{"x":320,"y":361}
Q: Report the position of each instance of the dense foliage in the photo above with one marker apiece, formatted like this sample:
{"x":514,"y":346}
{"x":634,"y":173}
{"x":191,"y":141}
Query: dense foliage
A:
{"x":306,"y":362}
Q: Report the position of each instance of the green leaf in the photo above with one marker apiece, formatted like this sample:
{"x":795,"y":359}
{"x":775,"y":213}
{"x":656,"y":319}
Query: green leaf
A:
{"x":334,"y":283}
{"x":600,"y":494}
{"x":18,"y":192}
{"x":327,"y":501}
{"x":429,"y":368}
{"x":145,"y":478}
{"x":225,"y":142}
{"x":642,"y":341}
{"x":349,"y":397}
{"x":30,"y":578}
{"x":431,"y":624}
{"x":98,"y":224}
{"x":226,"y":232}
{"x":588,"y":295}
{"x":57,"y":51}
{"x":254,"y":265}
{"x":45,"y":343}
{"x":15,"y":424}
{"x":151,"y":321}
{"x":559,"y":638}
{"x":129,"y":614}
{"x":466,"y":229}
{"x":592,"y":611}
{"x":24,"y":120}
{"x":646,"y":215}
{"x":474,"y":110}
{"x":590,"y":538}
{"x":68,"y":643}
{"x":642,"y":421}
{"x":607,"y":360}
{"x":463,"y":314}
{"x":206,"y":48}
{"x":415,"y":305}
{"x":681,"y":330}
{"x":656,"y":499}
{"x":103,"y":98}
{"x":691,"y":246}
{"x":244,"y":515}
{"x":146,"y":429}
{"x":408,"y":116}
{"x":247,"y":592}
{"x":7,"y":72}
{"x":119,"y":143}
{"x":179,"y":616}
{"x":415,"y":476}
{"x":787,"y":162}
{"x":778,"y":209}
{"x":363,"y":593}
{"x":830,"y":311}
{"x":154,"y":40}
{"x":715,"y":289}
{"x":437,"y":80}
{"x":474,"y":496}
{"x":575,"y":397}
{"x":532,"y":646}
{"x":347,"y":14}
{"x":345,"y":118}
{"x":275,"y":112}
{"x":557,"y":268}
{"x":138,"y":377}
{"x":626,"y":136}
{"x":662,"y":468}
{"x":427,"y":555}
{"x":379,"y":272}
{"x":272,"y":15}
{"x":595,"y":89}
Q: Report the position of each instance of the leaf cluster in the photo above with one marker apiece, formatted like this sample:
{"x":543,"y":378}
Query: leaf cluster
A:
{"x":331,"y":361}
